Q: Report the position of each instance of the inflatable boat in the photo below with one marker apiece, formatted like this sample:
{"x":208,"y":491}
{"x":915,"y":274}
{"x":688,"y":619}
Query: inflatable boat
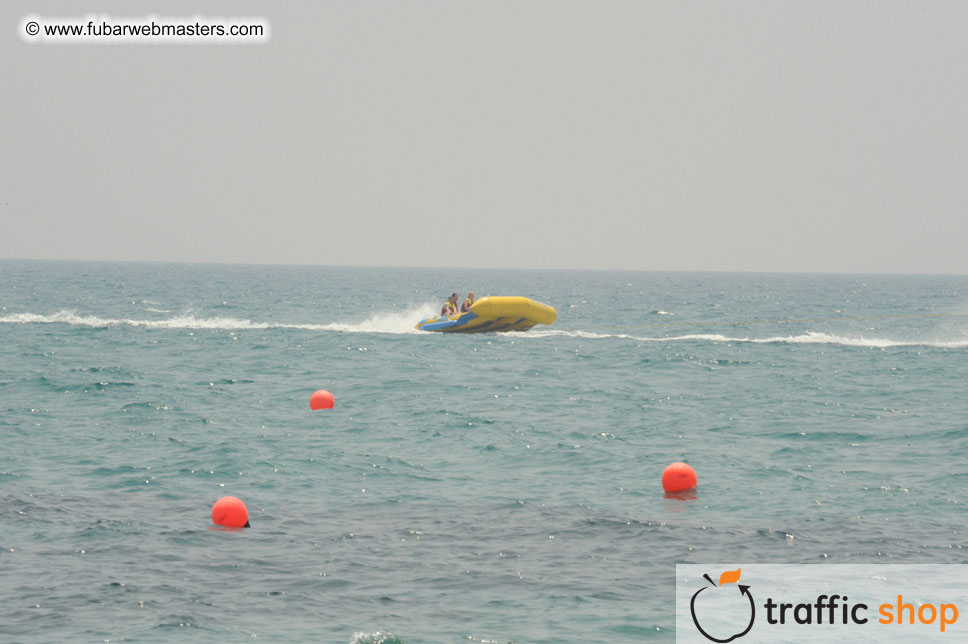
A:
{"x":490,"y":314}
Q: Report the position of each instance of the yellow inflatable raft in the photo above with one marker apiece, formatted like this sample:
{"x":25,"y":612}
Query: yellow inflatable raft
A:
{"x":488,"y":314}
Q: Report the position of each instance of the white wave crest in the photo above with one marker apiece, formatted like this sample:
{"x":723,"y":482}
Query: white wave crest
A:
{"x":403,"y":322}
{"x":399,"y":322}
{"x":378,"y":637}
{"x":812,"y":337}
{"x":806,"y":338}
{"x":391,"y":322}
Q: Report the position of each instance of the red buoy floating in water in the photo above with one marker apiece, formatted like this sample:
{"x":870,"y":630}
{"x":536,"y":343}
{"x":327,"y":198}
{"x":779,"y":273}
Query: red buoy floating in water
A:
{"x":230,"y":512}
{"x":322,"y":399}
{"x":679,"y":477}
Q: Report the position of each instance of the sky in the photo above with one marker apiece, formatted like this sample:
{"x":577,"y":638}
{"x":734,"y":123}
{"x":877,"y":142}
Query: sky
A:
{"x":821,"y":136}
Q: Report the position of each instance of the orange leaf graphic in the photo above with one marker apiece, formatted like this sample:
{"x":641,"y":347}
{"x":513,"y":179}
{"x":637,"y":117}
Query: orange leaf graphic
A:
{"x":729,"y":577}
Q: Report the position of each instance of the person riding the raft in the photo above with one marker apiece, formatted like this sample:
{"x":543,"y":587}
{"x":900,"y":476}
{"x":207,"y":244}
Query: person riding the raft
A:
{"x":450,"y":306}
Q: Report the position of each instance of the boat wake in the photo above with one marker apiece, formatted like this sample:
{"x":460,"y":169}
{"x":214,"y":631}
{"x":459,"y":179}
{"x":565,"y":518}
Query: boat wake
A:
{"x":809,"y":337}
{"x":399,"y":322}
{"x":402,"y":322}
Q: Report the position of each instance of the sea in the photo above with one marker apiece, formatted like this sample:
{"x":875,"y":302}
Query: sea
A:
{"x":491,"y":488}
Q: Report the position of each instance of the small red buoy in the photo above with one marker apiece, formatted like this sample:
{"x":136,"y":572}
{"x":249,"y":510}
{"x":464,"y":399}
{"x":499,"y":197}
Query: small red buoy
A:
{"x":322,"y":399}
{"x":230,"y":512}
{"x":678,"y":477}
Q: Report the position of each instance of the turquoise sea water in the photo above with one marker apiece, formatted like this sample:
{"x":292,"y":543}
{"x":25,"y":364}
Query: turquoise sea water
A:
{"x":488,"y":488}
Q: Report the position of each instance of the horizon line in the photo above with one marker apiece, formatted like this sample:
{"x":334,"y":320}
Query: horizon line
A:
{"x":477,"y":268}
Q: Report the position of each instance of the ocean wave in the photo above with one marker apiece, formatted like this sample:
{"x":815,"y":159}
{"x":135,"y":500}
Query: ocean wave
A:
{"x":391,"y":322}
{"x":376,"y":638}
{"x":810,"y":337}
{"x":402,"y":322}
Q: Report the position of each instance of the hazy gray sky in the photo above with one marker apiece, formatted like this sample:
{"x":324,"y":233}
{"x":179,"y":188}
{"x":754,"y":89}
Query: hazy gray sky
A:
{"x":666,"y":135}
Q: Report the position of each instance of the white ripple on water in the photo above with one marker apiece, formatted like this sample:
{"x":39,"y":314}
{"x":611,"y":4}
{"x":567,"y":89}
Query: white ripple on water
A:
{"x":809,"y":337}
{"x":387,"y":322}
{"x":402,"y":322}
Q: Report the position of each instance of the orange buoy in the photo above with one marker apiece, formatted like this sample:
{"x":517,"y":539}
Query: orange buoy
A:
{"x":230,"y":512}
{"x":678,"y":477}
{"x":322,"y":399}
